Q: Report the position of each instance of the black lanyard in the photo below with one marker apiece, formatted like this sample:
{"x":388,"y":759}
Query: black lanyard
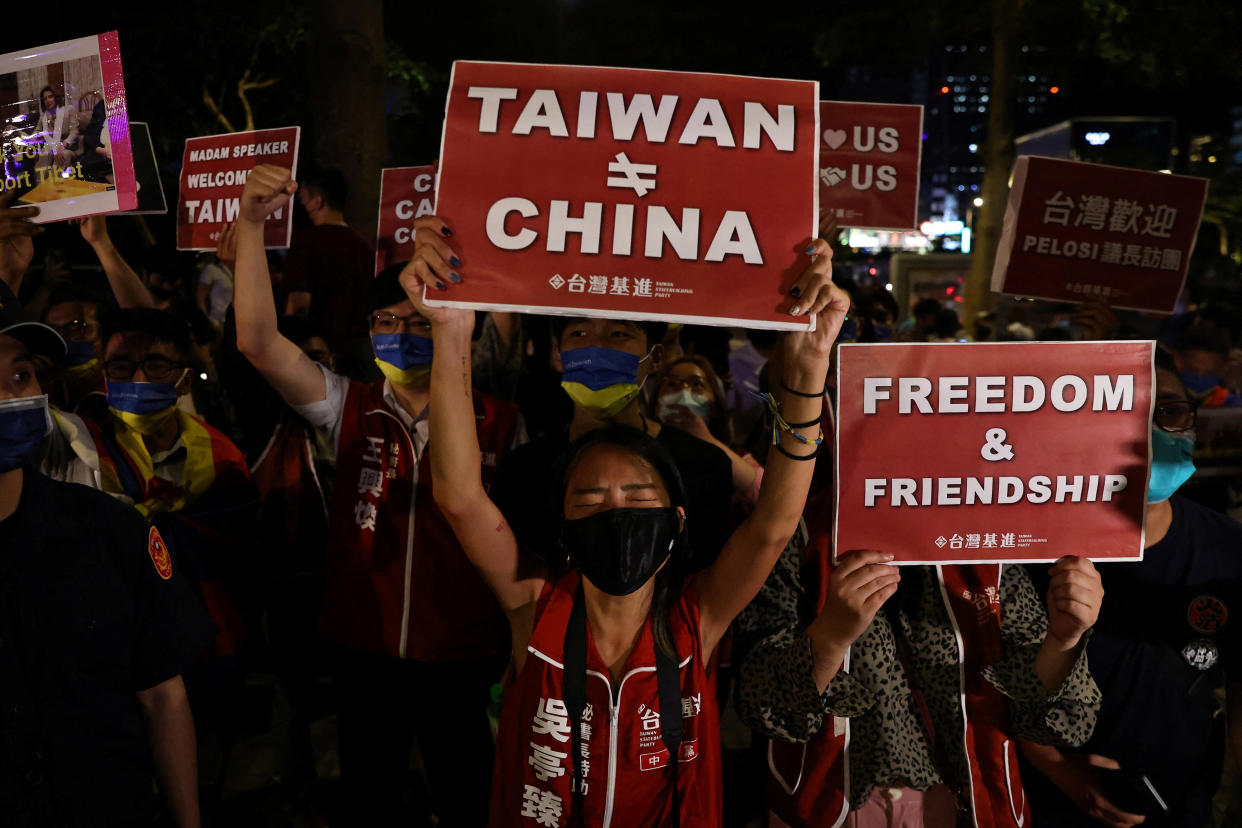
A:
{"x":669,"y":688}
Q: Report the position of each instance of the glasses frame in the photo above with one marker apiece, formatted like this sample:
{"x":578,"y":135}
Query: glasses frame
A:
{"x":68,"y":332}
{"x":178,"y":369}
{"x":407,"y":323}
{"x":1193,"y":411}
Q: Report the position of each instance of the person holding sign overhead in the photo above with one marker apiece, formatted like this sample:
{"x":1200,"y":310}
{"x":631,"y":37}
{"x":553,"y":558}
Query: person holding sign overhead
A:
{"x":929,"y":677}
{"x":604,"y":653}
{"x":417,"y":632}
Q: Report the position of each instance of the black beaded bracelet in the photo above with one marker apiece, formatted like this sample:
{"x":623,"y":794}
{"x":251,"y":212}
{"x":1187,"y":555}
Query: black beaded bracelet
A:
{"x":803,"y":393}
{"x":793,"y":456}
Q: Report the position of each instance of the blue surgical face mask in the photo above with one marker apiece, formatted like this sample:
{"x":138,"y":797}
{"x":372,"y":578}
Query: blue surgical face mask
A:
{"x":143,"y":406}
{"x":1200,"y":385}
{"x":24,"y":422}
{"x":404,"y":358}
{"x":1171,"y":463}
{"x":699,"y":404}
{"x":78,"y":353}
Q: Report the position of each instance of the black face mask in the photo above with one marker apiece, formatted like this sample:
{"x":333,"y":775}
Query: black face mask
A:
{"x":618,"y":550}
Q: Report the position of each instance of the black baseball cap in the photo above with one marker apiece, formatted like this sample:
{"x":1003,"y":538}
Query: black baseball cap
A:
{"x":39,"y":338}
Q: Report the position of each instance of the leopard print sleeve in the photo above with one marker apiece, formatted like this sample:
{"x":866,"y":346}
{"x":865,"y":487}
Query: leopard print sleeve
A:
{"x":776,"y":693}
{"x":1064,"y":718}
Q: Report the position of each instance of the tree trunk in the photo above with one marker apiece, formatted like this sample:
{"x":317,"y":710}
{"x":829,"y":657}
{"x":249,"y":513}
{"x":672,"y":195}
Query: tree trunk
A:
{"x":351,"y":128}
{"x":998,"y":157}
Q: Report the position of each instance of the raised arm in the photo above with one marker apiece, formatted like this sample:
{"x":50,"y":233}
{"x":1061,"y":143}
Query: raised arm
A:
{"x":456,"y":464}
{"x":292,"y":373}
{"x":128,"y":289}
{"x":736,"y":576}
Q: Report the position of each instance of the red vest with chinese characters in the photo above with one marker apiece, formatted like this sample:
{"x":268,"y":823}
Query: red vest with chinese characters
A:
{"x":808,"y":782}
{"x":629,"y":777}
{"x":397,"y":581}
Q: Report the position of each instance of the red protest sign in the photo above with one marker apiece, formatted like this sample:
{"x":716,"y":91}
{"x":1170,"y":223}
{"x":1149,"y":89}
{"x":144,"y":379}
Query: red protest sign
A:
{"x":1076,"y":231}
{"x":963,"y":453}
{"x":628,"y":192}
{"x":64,"y":129}
{"x":869,"y":158}
{"x":405,"y":194}
{"x":213,"y":173}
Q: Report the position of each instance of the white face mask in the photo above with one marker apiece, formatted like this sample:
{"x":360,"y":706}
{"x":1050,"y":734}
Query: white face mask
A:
{"x":699,"y":404}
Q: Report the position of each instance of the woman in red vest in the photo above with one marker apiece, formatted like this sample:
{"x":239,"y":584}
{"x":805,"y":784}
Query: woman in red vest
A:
{"x":901,"y":706}
{"x":609,"y":716}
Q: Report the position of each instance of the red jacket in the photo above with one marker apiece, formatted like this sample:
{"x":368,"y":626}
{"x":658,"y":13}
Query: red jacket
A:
{"x":397,"y":581}
{"x":809,"y":780}
{"x":628,"y":774}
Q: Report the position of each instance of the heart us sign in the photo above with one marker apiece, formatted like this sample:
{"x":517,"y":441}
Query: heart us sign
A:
{"x":869,"y":156}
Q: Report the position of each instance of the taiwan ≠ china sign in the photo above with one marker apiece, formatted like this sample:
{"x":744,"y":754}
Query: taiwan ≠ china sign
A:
{"x":1076,"y":231}
{"x":869,"y":158}
{"x":952,"y":453}
{"x":213,"y":174}
{"x":406,"y":193}
{"x":629,"y":192}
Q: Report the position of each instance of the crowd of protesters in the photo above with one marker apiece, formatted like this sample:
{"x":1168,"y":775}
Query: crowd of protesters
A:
{"x":548,"y":555}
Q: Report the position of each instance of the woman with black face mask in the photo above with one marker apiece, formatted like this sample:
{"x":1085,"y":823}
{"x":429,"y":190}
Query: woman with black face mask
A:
{"x":609,"y":714}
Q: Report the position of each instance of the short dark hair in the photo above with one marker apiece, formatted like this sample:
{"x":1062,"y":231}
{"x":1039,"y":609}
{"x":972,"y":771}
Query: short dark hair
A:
{"x":654,"y":331}
{"x":385,"y":289}
{"x":1212,"y":340}
{"x":78,"y":293}
{"x":328,"y":183}
{"x":159,"y":325}
{"x":947,"y":323}
{"x":926,"y":307}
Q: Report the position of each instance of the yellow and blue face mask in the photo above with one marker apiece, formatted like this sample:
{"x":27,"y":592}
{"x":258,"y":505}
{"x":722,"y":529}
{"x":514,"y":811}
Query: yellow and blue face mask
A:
{"x":602,"y":381}
{"x":143,"y":406}
{"x":80,"y":359}
{"x":404,"y":358}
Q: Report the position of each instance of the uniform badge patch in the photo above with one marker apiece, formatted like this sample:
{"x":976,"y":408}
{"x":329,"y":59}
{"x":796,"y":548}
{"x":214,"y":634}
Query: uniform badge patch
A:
{"x":1207,"y":614}
{"x":1201,"y":654}
{"x":159,"y":554}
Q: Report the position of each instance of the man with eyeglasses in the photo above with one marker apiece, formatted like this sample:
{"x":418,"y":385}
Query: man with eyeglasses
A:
{"x":1166,"y":641}
{"x":180,"y":473}
{"x":420,"y":636}
{"x":74,"y":311}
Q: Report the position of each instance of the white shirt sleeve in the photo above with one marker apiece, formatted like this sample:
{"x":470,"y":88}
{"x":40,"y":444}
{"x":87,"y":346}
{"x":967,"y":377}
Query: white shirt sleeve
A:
{"x":326,"y":413}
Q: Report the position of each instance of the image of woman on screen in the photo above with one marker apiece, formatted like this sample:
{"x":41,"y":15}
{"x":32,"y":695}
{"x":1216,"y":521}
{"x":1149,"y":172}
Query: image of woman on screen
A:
{"x":58,"y":128}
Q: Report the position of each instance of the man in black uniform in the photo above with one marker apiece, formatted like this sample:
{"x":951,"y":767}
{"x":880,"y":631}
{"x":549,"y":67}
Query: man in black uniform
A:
{"x":96,"y":627}
{"x":1167,"y":639}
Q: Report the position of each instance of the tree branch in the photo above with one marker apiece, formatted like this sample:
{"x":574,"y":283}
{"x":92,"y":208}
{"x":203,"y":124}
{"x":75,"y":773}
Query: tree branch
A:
{"x":215,"y":110}
{"x":245,"y":85}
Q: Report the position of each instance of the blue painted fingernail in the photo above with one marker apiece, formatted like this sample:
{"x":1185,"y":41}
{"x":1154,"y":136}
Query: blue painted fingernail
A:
{"x":454,"y":261}
{"x":795,"y":291}
{"x":444,"y":231}
{"x":440,"y":286}
{"x":810,"y":251}
{"x":453,"y":277}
